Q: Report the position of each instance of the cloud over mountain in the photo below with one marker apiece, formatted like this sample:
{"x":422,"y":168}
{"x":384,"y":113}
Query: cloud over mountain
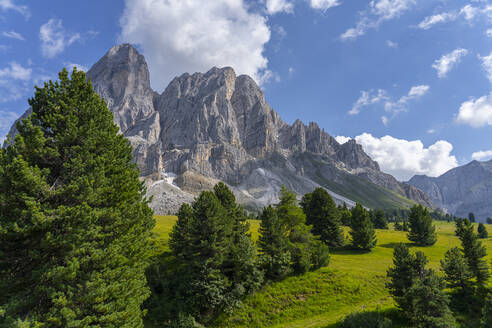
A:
{"x":403,"y":158}
{"x":194,"y":35}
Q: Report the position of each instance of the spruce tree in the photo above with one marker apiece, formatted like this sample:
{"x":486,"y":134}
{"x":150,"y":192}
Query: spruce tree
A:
{"x":456,"y":270}
{"x":418,"y":292}
{"x":406,"y":268}
{"x":214,"y":257}
{"x":306,"y":251}
{"x":323,"y":215}
{"x":345,"y":215}
{"x":273,"y":244}
{"x":240,"y":263}
{"x":362,"y":232}
{"x":422,"y":231}
{"x":482,"y":231}
{"x":459,"y":227}
{"x":474,"y":253}
{"x":378,"y":219}
{"x":471,"y":217}
{"x":75,"y":225}
{"x":429,"y":303}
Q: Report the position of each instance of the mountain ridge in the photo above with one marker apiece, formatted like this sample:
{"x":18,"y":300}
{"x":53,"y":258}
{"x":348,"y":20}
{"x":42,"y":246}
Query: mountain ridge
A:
{"x":206,"y":127}
{"x":461,"y":190}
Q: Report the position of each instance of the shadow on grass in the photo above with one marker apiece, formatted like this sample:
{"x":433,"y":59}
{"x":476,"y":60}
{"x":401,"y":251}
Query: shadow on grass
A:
{"x":393,"y":245}
{"x":370,"y":319}
{"x":348,"y":251}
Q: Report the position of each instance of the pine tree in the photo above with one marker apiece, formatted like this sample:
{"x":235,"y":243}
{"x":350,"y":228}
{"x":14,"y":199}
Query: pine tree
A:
{"x":273,"y":244}
{"x":306,"y":251}
{"x":406,"y":268}
{"x":471,"y":217}
{"x":456,"y":270}
{"x":240,"y":263}
{"x":459,"y":227}
{"x":214,"y":256}
{"x":474,"y":253}
{"x":322,"y":213}
{"x":482,"y":231}
{"x":75,"y":225}
{"x":429,"y":303}
{"x":378,"y":219}
{"x":362,"y":232}
{"x":418,"y":291}
{"x":489,"y":220}
{"x":422,"y":231}
{"x":345,"y":215}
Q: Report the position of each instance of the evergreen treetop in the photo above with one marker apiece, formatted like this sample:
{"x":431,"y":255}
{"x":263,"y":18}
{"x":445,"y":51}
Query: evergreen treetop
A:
{"x":323,"y":215}
{"x":362,"y":231}
{"x":422,"y":231}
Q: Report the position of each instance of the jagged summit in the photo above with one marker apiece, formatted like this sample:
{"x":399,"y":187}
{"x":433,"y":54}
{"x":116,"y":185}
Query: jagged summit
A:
{"x":212,"y":126}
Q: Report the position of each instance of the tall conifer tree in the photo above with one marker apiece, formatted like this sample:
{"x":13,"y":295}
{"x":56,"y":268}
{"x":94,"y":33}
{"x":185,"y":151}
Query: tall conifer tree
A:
{"x":323,"y":214}
{"x":362,"y":231}
{"x":74,"y":220}
{"x":422,"y":231}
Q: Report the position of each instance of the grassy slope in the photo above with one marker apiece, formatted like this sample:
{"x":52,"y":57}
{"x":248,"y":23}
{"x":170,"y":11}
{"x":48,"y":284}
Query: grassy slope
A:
{"x":353,"y":282}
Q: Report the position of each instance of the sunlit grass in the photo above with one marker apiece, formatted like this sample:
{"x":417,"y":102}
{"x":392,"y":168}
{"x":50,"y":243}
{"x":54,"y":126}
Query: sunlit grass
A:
{"x":354,"y":281}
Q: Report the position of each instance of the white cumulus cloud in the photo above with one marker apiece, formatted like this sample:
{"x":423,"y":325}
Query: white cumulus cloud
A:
{"x":378,"y":12}
{"x":54,"y":38}
{"x":194,"y":35}
{"x":324,"y":4}
{"x":446,"y":63}
{"x":278,"y":6}
{"x":482,"y":155}
{"x":403,"y":158}
{"x":476,"y":112}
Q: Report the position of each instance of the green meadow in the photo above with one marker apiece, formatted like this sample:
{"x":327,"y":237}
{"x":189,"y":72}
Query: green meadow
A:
{"x":353,"y":282}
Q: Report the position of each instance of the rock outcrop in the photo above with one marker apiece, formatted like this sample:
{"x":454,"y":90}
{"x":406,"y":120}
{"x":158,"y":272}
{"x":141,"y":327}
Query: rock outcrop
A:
{"x":461,"y":190}
{"x":206,"y":127}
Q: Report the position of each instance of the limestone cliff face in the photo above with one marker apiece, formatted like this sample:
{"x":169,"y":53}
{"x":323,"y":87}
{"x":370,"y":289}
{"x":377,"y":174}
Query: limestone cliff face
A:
{"x":461,"y":190}
{"x":213,"y":126}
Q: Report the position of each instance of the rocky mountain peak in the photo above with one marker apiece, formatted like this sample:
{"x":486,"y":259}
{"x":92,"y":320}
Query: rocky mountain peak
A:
{"x":122,"y":78}
{"x":212,"y":126}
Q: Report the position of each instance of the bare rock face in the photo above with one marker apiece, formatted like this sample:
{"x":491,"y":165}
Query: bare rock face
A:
{"x":216,"y":126}
{"x":461,"y":190}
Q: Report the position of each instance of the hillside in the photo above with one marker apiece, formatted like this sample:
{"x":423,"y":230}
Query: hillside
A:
{"x":206,"y":127}
{"x":461,"y":190}
{"x":353,"y":282}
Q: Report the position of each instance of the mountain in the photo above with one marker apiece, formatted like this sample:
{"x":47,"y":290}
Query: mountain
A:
{"x":213,"y":126}
{"x":461,"y":190}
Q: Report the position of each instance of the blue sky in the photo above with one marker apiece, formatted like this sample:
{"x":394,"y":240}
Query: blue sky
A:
{"x":410,"y":80}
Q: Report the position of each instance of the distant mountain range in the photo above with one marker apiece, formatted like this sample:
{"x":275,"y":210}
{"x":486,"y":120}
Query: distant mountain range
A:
{"x":461,"y":190}
{"x":213,"y":126}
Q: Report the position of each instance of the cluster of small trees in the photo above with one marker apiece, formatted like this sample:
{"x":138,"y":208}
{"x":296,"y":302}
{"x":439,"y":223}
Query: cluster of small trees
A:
{"x":419,"y":291}
{"x":327,"y":220}
{"x":213,"y":261}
